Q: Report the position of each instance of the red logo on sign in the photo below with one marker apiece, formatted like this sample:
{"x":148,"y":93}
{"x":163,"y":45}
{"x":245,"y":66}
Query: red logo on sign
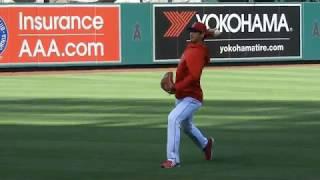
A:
{"x":179,"y":21}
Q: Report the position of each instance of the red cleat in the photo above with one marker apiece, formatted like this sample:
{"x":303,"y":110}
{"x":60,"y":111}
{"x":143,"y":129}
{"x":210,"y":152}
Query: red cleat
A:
{"x":167,"y":164}
{"x":208,"y":150}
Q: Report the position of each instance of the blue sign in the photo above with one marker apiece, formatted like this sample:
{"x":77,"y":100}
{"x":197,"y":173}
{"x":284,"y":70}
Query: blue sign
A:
{"x":3,"y":36}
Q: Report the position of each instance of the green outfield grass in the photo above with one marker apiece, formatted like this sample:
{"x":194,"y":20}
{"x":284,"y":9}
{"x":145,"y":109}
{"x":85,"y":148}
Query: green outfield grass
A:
{"x":112,"y":125}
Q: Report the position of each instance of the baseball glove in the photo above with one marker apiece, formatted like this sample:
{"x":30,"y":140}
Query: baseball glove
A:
{"x":167,"y":83}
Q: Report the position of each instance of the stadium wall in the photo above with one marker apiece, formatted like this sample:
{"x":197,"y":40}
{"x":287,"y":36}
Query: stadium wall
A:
{"x":311,"y":31}
{"x":73,"y":35}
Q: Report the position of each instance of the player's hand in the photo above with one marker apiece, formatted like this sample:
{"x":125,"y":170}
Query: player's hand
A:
{"x":214,"y":32}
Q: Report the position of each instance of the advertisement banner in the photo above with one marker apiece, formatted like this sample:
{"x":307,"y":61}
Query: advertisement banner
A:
{"x":249,"y":31}
{"x":59,"y":34}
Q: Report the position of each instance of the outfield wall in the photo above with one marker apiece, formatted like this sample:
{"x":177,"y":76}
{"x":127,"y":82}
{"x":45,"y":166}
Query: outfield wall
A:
{"x":311,"y":31}
{"x":147,"y":34}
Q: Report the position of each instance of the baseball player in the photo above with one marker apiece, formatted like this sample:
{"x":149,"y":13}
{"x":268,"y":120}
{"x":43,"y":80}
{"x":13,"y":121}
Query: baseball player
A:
{"x":189,"y":96}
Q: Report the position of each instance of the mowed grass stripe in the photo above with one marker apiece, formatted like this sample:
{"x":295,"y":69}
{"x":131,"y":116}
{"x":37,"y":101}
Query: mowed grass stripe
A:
{"x":113,"y":126}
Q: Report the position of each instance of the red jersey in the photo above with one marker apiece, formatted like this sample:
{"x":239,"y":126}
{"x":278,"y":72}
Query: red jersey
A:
{"x":189,"y":71}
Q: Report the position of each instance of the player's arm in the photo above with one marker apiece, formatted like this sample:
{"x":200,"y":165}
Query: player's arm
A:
{"x":195,"y":65}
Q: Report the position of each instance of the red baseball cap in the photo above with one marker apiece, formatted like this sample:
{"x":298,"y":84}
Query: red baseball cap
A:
{"x":199,"y":27}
